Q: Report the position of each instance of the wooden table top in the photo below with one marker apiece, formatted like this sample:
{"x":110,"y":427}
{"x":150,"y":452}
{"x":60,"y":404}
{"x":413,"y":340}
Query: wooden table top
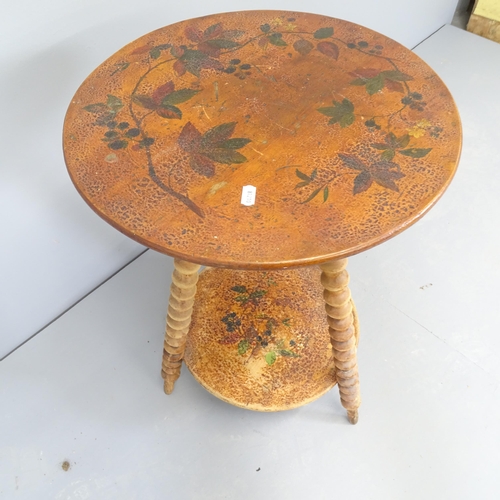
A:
{"x":347,"y":136}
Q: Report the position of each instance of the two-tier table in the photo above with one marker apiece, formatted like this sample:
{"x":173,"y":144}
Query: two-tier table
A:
{"x":262,"y":144}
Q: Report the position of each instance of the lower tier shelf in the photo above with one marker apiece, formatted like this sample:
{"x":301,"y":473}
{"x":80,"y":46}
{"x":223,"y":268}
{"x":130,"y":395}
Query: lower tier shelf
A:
{"x":259,"y":340}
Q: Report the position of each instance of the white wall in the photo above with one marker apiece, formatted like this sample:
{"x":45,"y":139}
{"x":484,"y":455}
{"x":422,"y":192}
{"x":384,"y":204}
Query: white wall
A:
{"x":53,"y":248}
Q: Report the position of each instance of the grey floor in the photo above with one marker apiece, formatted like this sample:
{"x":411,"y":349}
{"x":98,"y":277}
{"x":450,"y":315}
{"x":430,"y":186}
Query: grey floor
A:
{"x":87,"y":389}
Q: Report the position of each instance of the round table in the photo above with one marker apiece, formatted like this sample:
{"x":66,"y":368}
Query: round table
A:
{"x":262,"y":144}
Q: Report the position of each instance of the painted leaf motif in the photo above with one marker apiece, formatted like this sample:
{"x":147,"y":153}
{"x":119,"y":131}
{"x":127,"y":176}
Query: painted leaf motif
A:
{"x":221,"y":43}
{"x":226,"y":156}
{"x":179,"y":96}
{"x":236,"y":143}
{"x":155,"y":53}
{"x":329,"y":49}
{"x":114,"y":103}
{"x":302,"y":184}
{"x":218,"y":134}
{"x":276,"y":39}
{"x":202,"y":165}
{"x":340,"y":112}
{"x":167,"y":111}
{"x":323,"y":33}
{"x":98,"y":107}
{"x":213,"y":31}
{"x":161,"y":91}
{"x":190,"y":138}
{"x":303,"y":47}
{"x":385,"y":173}
{"x":374,"y":85}
{"x":352,"y":162}
{"x":302,"y":176}
{"x":394,"y":86}
{"x":179,"y":67}
{"x":239,"y":289}
{"x":194,"y":34}
{"x":270,"y":358}
{"x":362,"y":182}
{"x":388,"y":154}
{"x":287,"y":353}
{"x":232,"y":34}
{"x":325,"y":194}
{"x":243,"y":346}
{"x":312,"y":195}
{"x":416,"y":152}
{"x":265,"y":28}
{"x":141,"y":50}
{"x":396,"y":76}
{"x":121,"y":144}
{"x":144,"y":101}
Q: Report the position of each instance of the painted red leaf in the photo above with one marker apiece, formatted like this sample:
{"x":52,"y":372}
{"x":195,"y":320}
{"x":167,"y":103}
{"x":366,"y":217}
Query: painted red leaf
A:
{"x":329,"y":49}
{"x":202,"y":165}
{"x":177,"y":51}
{"x":141,"y":50}
{"x":208,"y":49}
{"x":144,"y":101}
{"x":362,"y":182}
{"x":263,"y":42}
{"x":190,"y":138}
{"x":162,"y":91}
{"x":365,"y":73}
{"x":352,"y":162}
{"x":170,"y":112}
{"x":179,"y":67}
{"x":194,"y":34}
{"x":394,"y":86}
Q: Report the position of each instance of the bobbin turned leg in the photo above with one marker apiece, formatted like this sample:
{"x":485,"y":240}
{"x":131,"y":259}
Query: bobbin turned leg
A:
{"x":180,"y":308}
{"x":339,"y":309}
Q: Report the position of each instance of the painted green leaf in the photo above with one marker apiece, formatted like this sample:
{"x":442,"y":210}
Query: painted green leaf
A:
{"x":287,"y":353}
{"x":265,"y":28}
{"x":218,"y":134}
{"x":270,"y":358}
{"x":302,"y":184}
{"x":340,"y":112}
{"x":213,"y":30}
{"x":323,"y":33}
{"x":114,"y":103}
{"x":221,"y":43}
{"x":358,"y":81}
{"x":380,"y":145}
{"x":121,"y":144}
{"x":241,"y":298}
{"x":133,"y":132}
{"x":258,"y":294}
{"x":276,"y":39}
{"x":144,"y":101}
{"x":155,"y":53}
{"x":179,"y":96}
{"x":303,"y":47}
{"x":396,"y":76}
{"x":325,"y":194}
{"x":225,"y":156}
{"x":233,"y":34}
{"x":239,"y":289}
{"x":314,"y":173}
{"x":120,"y":67}
{"x":99,"y":107}
{"x":236,"y":143}
{"x":302,"y":176}
{"x":243,"y":346}
{"x":286,"y":321}
{"x":388,"y":154}
{"x":312,"y":195}
{"x":347,"y":119}
{"x":403,"y":141}
{"x":374,"y":85}
{"x":416,"y":152}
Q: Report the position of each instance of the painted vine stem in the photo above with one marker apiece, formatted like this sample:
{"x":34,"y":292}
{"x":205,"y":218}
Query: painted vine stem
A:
{"x":203,"y":51}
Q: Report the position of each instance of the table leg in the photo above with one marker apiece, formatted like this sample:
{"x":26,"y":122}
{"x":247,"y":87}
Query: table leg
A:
{"x":339,"y":308}
{"x":180,"y":308}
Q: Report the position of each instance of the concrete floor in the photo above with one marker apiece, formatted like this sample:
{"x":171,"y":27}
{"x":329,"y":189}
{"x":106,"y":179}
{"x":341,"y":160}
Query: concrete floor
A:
{"x":87,"y":389}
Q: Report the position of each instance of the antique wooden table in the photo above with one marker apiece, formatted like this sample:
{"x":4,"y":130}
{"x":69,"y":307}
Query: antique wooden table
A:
{"x":261,"y":144}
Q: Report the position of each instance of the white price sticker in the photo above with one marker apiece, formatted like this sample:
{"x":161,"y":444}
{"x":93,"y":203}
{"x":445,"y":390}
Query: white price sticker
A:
{"x":248,"y":194}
